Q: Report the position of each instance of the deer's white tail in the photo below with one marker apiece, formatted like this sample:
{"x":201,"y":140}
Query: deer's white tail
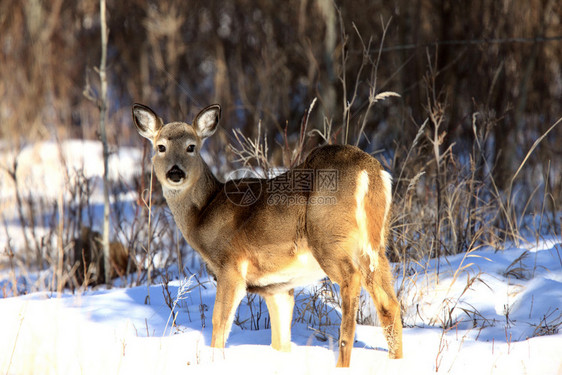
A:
{"x":371,"y":214}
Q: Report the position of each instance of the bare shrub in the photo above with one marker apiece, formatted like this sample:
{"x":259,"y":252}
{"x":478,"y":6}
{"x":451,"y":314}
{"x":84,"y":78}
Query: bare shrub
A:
{"x":89,"y":259}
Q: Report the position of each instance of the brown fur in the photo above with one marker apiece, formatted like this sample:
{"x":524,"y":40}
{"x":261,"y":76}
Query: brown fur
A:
{"x":270,"y":248}
{"x":89,"y":258}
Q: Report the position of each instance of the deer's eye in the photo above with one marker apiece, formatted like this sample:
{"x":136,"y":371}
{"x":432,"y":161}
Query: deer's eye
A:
{"x":190,"y":148}
{"x":161,"y":148}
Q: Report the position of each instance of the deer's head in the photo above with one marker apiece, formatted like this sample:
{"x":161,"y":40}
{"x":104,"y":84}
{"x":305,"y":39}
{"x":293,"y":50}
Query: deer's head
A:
{"x":177,"y":145}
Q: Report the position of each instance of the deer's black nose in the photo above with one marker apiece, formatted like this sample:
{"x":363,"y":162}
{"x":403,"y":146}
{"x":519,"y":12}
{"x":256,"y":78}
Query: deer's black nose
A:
{"x":175,"y":174}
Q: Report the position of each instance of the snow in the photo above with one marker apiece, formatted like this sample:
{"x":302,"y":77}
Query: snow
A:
{"x":487,"y":311}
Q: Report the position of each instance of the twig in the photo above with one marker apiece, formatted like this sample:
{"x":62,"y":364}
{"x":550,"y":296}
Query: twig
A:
{"x":14,"y":347}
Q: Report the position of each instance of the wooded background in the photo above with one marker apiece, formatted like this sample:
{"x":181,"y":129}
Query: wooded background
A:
{"x":492,"y":64}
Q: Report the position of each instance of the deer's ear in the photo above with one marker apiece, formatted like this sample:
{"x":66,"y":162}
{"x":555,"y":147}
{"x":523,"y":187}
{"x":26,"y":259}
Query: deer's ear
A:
{"x":207,"y":120}
{"x":147,"y":122}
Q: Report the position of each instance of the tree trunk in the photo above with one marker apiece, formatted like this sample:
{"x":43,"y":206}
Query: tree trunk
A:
{"x":103,"y":118}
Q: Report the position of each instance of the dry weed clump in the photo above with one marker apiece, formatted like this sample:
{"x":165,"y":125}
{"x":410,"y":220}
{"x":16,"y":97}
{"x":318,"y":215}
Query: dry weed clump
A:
{"x":52,"y":241}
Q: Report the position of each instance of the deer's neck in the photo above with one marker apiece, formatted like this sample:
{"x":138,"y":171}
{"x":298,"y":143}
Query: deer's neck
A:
{"x":187,"y":205}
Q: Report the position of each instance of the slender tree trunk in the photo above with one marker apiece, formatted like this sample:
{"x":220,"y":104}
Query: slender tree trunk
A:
{"x":103,"y":118}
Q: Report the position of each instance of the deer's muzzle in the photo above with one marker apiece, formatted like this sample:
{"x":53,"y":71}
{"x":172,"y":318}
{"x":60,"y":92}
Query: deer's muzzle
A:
{"x":175,"y":174}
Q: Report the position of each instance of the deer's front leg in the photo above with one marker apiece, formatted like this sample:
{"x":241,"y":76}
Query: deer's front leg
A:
{"x":230,"y":291}
{"x":280,"y":307}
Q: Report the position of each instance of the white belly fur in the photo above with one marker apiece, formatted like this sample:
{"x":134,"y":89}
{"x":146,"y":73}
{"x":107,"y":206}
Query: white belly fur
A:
{"x":303,"y":271}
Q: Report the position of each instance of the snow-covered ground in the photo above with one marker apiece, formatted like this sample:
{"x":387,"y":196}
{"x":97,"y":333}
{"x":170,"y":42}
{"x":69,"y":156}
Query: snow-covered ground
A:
{"x":486,"y":312}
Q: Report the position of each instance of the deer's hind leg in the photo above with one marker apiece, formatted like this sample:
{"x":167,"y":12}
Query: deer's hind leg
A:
{"x":379,"y":285}
{"x":349,"y":289}
{"x":341,"y":269}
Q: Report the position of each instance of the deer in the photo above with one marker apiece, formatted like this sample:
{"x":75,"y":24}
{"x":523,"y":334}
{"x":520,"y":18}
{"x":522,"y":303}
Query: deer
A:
{"x":270,"y":235}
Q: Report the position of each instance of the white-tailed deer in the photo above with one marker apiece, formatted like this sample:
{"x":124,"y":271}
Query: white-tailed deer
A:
{"x":328,"y":216}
